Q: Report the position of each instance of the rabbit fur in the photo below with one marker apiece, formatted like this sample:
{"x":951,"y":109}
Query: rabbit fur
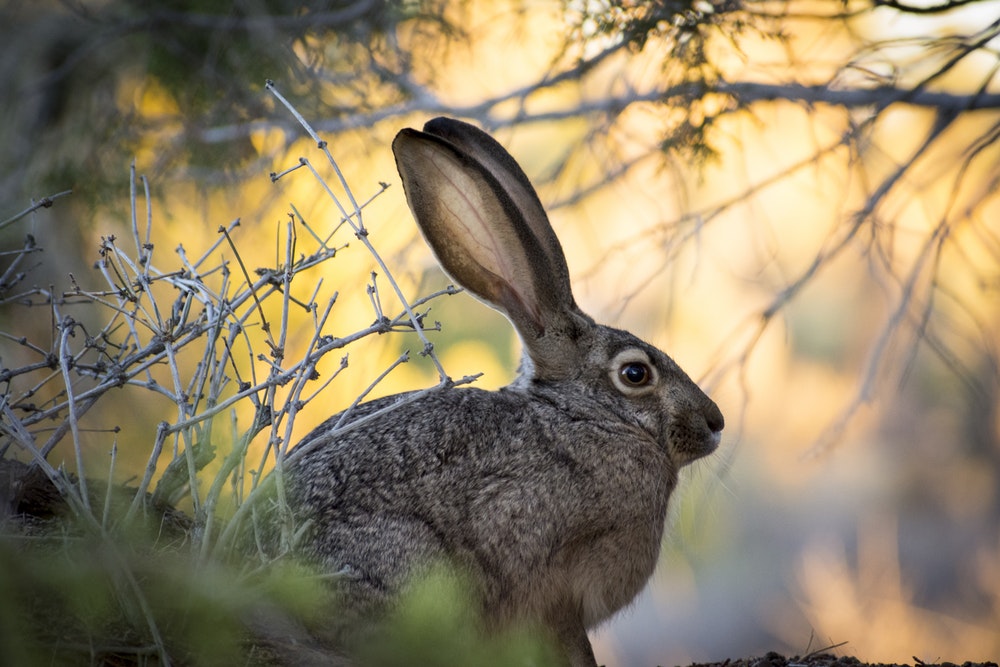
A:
{"x":549,"y":494}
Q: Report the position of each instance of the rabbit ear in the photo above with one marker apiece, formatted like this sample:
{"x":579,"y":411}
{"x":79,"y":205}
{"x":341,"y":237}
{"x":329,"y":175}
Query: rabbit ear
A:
{"x":498,"y":162}
{"x":482,"y":218}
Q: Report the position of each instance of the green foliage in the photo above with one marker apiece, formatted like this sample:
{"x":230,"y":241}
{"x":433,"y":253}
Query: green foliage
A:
{"x":70,"y":597}
{"x":435,"y":624}
{"x":677,"y":34}
{"x":684,"y":23}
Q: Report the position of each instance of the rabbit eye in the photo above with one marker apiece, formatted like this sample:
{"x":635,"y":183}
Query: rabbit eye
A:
{"x":635,"y":374}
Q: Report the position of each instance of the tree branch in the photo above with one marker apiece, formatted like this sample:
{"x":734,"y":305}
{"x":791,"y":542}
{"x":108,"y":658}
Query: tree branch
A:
{"x":749,"y":92}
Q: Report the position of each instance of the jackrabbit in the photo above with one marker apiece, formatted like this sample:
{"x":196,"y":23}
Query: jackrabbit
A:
{"x":549,"y":494}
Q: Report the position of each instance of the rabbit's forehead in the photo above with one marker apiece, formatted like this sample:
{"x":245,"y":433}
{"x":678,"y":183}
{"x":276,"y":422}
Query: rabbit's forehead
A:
{"x":616,"y":346}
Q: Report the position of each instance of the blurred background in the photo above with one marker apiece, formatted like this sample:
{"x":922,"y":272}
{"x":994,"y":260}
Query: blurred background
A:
{"x":796,"y":200}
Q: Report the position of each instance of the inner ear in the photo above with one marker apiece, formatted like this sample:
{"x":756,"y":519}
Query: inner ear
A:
{"x":476,"y":231}
{"x":495,"y":159}
{"x":483,"y":233}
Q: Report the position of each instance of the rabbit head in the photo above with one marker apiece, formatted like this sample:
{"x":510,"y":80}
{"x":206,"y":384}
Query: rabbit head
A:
{"x":550,"y":494}
{"x":487,"y":227}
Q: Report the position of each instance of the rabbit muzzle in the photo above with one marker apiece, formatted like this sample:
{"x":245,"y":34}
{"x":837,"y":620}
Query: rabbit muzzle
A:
{"x":699,"y":435}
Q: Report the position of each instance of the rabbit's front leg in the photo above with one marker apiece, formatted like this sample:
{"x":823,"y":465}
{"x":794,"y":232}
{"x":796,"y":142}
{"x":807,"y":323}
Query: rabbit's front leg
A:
{"x":567,"y":626}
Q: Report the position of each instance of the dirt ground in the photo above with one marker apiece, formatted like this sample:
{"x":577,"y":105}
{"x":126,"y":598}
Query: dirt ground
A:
{"x":827,"y":660}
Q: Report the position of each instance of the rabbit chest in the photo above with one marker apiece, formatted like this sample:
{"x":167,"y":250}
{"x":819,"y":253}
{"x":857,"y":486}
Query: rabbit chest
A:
{"x":614,"y":508}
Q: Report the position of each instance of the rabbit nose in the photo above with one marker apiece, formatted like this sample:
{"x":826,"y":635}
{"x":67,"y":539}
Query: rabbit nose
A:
{"x":713,"y":417}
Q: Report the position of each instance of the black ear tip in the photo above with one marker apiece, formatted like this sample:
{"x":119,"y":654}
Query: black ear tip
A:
{"x":445,"y":127}
{"x":441,"y":122}
{"x":441,"y":127}
{"x":407,"y":134}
